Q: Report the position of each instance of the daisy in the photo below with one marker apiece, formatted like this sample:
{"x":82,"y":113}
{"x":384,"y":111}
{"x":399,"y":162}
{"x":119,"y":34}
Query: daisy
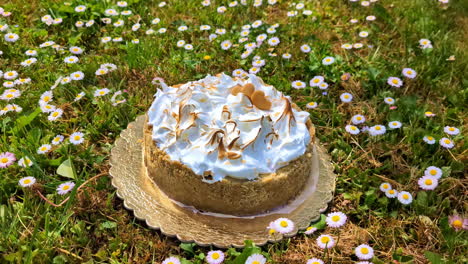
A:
{"x":71,"y":59}
{"x":101,"y":92}
{"x":225,"y":45}
{"x":25,"y":162}
{"x":77,"y":76}
{"x":273,"y":41}
{"x":258,"y":63}
{"x":80,"y":8}
{"x":446,"y":143}
{"x":254,"y":70}
{"x":353,"y":21}
{"x":316,"y":81}
{"x":358,"y":45}
{"x":391,"y":193}
{"x":394,"y":124}
{"x":377,"y":130}
{"x":57,"y":140}
{"x":271,"y":30}
{"x":408,"y":73}
{"x":11,"y":37}
{"x":47,"y":108}
{"x":28,"y":62}
{"x":126,"y":12}
{"x":428,"y":182}
{"x":352,"y":129}
{"x":79,"y":96}
{"x":346,"y":97}
{"x":188,"y":47}
{"x":65,"y":80}
{"x":261,"y":37}
{"x":433,"y":171}
{"x":162,"y":30}
{"x":76,"y":138}
{"x":111,"y":12}
{"x":122,"y":4}
{"x":205,"y":27}
{"x":394,"y":81}
{"x":347,"y":46}
{"x":358,"y":119}
{"x":27,"y":181}
{"x":325,"y":241}
{"x":314,"y":261}
{"x":7,"y":159}
{"x":76,"y":50}
{"x":292,"y":13}
{"x":310,"y":230}
{"x":458,"y":223}
{"x":283,"y":225}
{"x":44,"y":149}
{"x":215,"y":257}
{"x":250,"y":46}
{"x":238,"y":72}
{"x":64,"y":188}
{"x":55,"y":114}
{"x":298,"y":84}
{"x":255,"y":259}
{"x":79,"y":24}
{"x":31,"y":53}
{"x":311,"y":105}
{"x":10,"y":94}
{"x":328,"y":60}
{"x":385,"y":186}
{"x":257,"y":23}
{"x":389,"y":100}
{"x":323,"y":86}
{"x":405,"y":197}
{"x":451,"y":130}
{"x":305,"y":48}
{"x":286,"y":56}
{"x":429,"y":140}
{"x":370,"y":18}
{"x":425,"y":43}
{"x":364,"y":252}
{"x":336,"y":219}
{"x":135,"y":41}
{"x":101,"y":71}
{"x":10,"y":75}
{"x":117,"y":39}
{"x":363,"y":34}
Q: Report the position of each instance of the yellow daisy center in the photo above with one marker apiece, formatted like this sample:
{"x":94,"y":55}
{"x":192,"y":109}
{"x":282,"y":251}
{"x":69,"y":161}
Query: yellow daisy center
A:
{"x":215,"y":255}
{"x":4,"y":160}
{"x":409,"y":72}
{"x":43,"y":148}
{"x":325,"y":239}
{"x":346,"y":96}
{"x":395,"y":81}
{"x":101,"y":92}
{"x":27,"y":181}
{"x":405,"y":196}
{"x":394,"y":123}
{"x":55,"y":114}
{"x":255,"y":262}
{"x":271,"y":231}
{"x":66,"y":187}
{"x":358,"y":118}
{"x":335,"y":218}
{"x":457,"y":223}
{"x":309,"y":228}
{"x":430,"y":138}
{"x":428,"y":182}
{"x":433,"y":172}
{"x":9,"y":95}
{"x":377,"y":128}
{"x":391,"y":191}
{"x":364,"y":250}
{"x":447,"y":141}
{"x":11,"y":36}
{"x":316,"y":80}
{"x":206,"y":57}
{"x":284,"y":224}
{"x":385,"y":186}
{"x":77,"y":137}
{"x":452,"y":129}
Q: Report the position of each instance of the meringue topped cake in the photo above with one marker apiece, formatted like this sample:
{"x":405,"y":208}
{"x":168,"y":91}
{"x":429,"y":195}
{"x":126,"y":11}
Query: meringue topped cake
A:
{"x":225,"y":145}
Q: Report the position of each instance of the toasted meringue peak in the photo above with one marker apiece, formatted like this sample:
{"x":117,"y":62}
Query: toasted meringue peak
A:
{"x":223,"y":126}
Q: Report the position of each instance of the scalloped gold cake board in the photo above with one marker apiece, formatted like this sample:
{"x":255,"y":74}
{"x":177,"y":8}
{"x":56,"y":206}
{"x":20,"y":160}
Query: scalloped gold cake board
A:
{"x":148,"y":203}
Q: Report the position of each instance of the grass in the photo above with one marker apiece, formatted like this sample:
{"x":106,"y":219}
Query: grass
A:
{"x":93,"y":227}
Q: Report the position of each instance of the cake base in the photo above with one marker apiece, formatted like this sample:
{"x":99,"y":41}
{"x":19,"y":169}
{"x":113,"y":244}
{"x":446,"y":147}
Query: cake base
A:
{"x":149,"y":203}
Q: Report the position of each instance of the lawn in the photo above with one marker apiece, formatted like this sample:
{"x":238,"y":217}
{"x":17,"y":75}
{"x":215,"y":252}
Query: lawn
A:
{"x":75,"y":73}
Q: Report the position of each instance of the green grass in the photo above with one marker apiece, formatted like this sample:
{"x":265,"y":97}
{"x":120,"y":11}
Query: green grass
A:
{"x":93,"y":227}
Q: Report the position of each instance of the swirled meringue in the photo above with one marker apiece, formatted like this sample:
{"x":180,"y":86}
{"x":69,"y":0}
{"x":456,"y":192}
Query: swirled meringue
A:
{"x":213,"y":132}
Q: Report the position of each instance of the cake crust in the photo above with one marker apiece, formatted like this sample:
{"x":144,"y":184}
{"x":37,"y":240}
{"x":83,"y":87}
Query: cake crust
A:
{"x":230,"y":196}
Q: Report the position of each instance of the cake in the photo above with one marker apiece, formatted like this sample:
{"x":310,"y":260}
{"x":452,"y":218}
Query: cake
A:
{"x":233,"y":146}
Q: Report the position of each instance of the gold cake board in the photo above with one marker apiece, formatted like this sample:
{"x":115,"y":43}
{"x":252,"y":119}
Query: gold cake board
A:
{"x":148,"y":203}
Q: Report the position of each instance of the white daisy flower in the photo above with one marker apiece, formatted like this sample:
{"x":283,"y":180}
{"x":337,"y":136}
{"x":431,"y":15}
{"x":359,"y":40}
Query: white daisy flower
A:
{"x":286,"y":56}
{"x":425,"y":43}
{"x":347,"y":46}
{"x":316,"y":81}
{"x":385,"y":186}
{"x":215,"y":257}
{"x":25,"y":162}
{"x":79,"y":24}
{"x":101,"y":71}
{"x":328,"y":60}
{"x":433,"y":171}
{"x":429,"y":140}
{"x":56,"y":114}
{"x":80,"y":8}
{"x":47,"y":108}
{"x":126,"y":12}
{"x":358,"y":119}
{"x":283,"y":225}
{"x":389,"y":100}
{"x":453,"y":131}
{"x":65,"y":80}
{"x":28,"y":62}
{"x":311,"y":105}
{"x":44,"y":149}
{"x":271,"y":30}
{"x":358,"y":45}
{"x":162,"y":30}
{"x":261,"y":37}
{"x":323,"y":86}
{"x":314,"y":261}
{"x":225,"y":45}
{"x":392,"y":193}
{"x":408,"y":73}
{"x":273,"y":41}
{"x":79,"y":96}
{"x":346,"y":97}
{"x":64,"y":188}
{"x":428,"y":182}
{"x":305,"y":48}
{"x":363,"y":34}
{"x":336,"y":219}
{"x":31,"y":53}
{"x":254,"y":70}
{"x":122,"y":4}
{"x":76,"y":138}
{"x":77,"y":76}
{"x":205,"y":27}
{"x":325,"y":241}
{"x":298,"y":84}
{"x":364,"y":252}
{"x":394,"y":81}
{"x":188,"y":46}
{"x":71,"y":59}
{"x":57,"y":140}
{"x":238,"y":72}
{"x":446,"y":143}
{"x":117,"y":39}
{"x":11,"y":37}
{"x":27,"y":181}
{"x":352,"y":129}
{"x":10,"y":75}
{"x":256,"y":259}
{"x":101,"y":92}
{"x":394,"y":124}
{"x":405,"y":197}
{"x":310,"y":230}
{"x":370,"y":18}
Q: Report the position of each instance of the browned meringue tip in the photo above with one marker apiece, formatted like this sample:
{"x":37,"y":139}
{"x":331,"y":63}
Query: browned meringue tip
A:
{"x":260,"y":101}
{"x":248,"y":89}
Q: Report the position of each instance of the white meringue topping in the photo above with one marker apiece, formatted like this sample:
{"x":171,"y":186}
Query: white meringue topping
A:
{"x":211,"y":131}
